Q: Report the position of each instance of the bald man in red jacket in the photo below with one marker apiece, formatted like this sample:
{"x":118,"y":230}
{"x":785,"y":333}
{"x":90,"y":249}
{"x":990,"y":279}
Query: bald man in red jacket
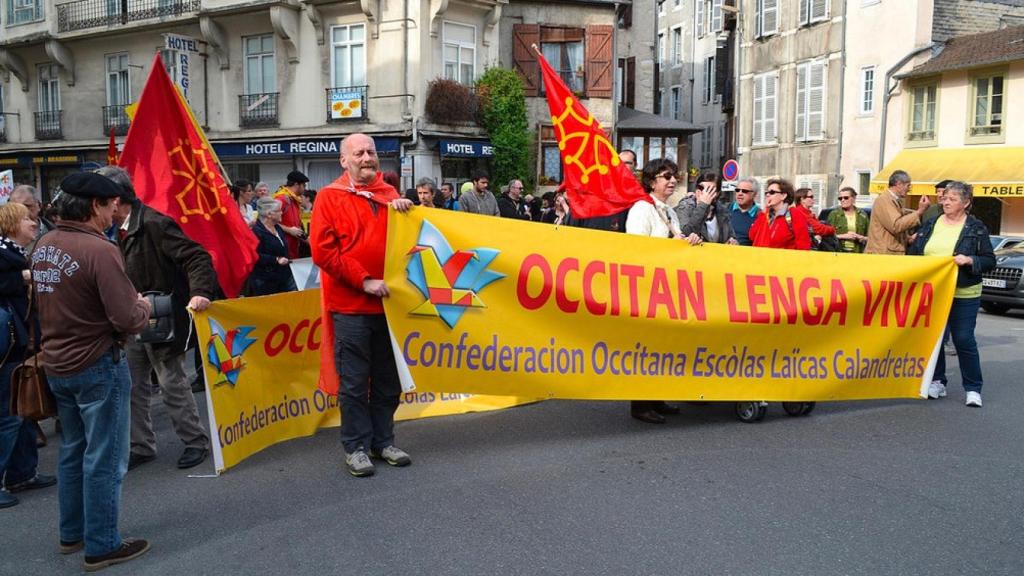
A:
{"x":347,"y":238}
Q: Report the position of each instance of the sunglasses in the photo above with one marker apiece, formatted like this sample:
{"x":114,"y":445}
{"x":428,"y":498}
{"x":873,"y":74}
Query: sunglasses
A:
{"x":668,"y":176}
{"x":775,"y":192}
{"x":745,"y":190}
{"x":809,"y":197}
{"x":846,"y":197}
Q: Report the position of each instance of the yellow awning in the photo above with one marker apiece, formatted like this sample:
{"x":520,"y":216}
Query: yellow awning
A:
{"x":992,"y":170}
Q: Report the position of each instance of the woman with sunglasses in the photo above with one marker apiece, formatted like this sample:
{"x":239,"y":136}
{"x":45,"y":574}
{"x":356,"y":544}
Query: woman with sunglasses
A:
{"x":850,"y":222}
{"x":958,"y":234}
{"x":777,"y":226}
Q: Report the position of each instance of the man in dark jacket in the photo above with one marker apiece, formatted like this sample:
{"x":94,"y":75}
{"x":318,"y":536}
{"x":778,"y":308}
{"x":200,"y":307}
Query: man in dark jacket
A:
{"x":511,"y":204}
{"x":160,"y":258}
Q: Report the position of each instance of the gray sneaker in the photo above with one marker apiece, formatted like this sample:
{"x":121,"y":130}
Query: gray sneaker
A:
{"x":392,"y":456}
{"x":359,"y":464}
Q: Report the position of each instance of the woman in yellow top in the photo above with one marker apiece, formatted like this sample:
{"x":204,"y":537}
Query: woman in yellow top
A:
{"x":958,"y":234}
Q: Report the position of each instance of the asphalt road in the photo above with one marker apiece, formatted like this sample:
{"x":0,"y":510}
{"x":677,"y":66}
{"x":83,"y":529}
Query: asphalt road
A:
{"x":559,"y":487}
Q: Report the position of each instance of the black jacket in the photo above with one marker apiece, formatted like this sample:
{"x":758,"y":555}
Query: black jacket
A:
{"x":160,"y":258}
{"x":509,"y":208}
{"x":973,"y":242}
{"x":269,"y":277}
{"x":14,"y":294}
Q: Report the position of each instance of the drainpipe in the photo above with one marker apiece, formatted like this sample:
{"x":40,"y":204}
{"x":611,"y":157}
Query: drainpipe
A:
{"x":842,"y":103}
{"x":888,"y":95}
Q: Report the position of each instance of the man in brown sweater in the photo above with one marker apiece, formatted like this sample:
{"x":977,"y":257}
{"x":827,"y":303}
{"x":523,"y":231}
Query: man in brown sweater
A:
{"x":87,"y":309}
{"x":891,"y":224}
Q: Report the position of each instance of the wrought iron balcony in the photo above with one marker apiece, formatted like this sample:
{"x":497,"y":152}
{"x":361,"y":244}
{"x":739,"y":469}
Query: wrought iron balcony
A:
{"x":48,"y":125}
{"x":257,"y":110}
{"x":347,"y":103}
{"x":115,"y":118}
{"x":84,"y":14}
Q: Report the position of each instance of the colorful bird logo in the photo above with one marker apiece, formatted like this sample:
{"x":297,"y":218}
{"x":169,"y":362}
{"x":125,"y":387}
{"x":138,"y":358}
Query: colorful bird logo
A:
{"x":449,"y":280}
{"x":224,"y":351}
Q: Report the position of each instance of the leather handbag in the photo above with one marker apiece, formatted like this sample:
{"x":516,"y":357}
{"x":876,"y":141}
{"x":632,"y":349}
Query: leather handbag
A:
{"x":31,"y":397}
{"x":160,"y":329}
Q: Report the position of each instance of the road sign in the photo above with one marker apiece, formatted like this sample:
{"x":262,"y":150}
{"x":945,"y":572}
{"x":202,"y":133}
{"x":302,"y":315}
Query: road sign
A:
{"x":730,"y":170}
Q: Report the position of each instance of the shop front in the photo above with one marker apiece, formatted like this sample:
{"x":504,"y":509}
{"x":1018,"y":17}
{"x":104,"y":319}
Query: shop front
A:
{"x":996,"y":174}
{"x":270,"y":161}
{"x":461,"y":158}
{"x":46,"y":169}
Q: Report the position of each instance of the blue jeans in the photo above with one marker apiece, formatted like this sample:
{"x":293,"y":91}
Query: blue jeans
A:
{"x":94,"y":409}
{"x":18,"y":453}
{"x":962,"y":318}
{"x":369,"y":390}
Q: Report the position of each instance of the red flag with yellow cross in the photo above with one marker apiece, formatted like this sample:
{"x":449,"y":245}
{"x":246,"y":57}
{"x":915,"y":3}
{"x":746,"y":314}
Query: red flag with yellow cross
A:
{"x":596,"y":181}
{"x":175,"y":171}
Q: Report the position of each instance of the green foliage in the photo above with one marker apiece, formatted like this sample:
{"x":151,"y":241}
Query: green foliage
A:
{"x":503,"y":115}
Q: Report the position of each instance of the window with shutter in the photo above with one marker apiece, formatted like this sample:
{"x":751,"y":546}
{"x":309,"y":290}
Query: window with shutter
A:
{"x":524,"y":61}
{"x":716,"y":15}
{"x":816,"y":101}
{"x":767,"y":17}
{"x":700,"y":18}
{"x":599,"y":73}
{"x":677,"y":46}
{"x":709,"y":79}
{"x":771,"y":107}
{"x":801,"y":102}
{"x":810,"y":101}
{"x":812,"y":11}
{"x":805,"y":9}
{"x":757,"y":130}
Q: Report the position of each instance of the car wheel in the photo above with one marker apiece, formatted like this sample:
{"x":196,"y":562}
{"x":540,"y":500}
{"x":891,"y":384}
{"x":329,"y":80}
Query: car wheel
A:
{"x":995,"y":308}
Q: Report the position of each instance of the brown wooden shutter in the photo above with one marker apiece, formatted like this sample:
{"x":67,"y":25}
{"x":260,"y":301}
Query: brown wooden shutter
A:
{"x":524,"y":59}
{"x":630,"y":82}
{"x":600,"y":74}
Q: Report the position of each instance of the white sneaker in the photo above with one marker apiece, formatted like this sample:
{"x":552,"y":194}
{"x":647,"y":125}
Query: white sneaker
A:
{"x":974,"y":399}
{"x":936,"y":389}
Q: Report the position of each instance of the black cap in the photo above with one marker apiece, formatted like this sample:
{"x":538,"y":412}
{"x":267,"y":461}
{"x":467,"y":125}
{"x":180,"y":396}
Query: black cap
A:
{"x":296,"y":177}
{"x":90,"y":185}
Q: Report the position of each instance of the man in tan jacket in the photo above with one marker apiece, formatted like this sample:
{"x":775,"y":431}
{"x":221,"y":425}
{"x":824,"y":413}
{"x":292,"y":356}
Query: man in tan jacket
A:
{"x":889,"y":230}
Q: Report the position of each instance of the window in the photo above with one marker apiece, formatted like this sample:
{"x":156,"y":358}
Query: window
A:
{"x":119,"y":92}
{"x":863,"y":181}
{"x":23,"y":11}
{"x":816,"y":185}
{"x":677,"y":93}
{"x":551,"y":169}
{"x":709,"y":79}
{"x":566,"y":57}
{"x":348,"y":55}
{"x":766,"y":18}
{"x":49,"y":88}
{"x":661,"y":48}
{"x":700,"y":17}
{"x":171,"y":60}
{"x":867,"y":90}
{"x":260,"y":74}
{"x":766,"y":109}
{"x":923,"y":109}
{"x":987,"y":105}
{"x":812,"y":11}
{"x":706,"y":144}
{"x":677,"y":46}
{"x":460,"y":52}
{"x":716,"y":15}
{"x":810,"y":101}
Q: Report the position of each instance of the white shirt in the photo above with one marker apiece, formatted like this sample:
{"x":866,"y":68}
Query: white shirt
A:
{"x":644,"y":219}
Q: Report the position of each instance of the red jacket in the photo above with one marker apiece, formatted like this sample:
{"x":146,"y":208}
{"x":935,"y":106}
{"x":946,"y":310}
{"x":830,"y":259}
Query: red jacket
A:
{"x":291,"y":215}
{"x":782,"y":232}
{"x":347,"y":237}
{"x":820,"y":228}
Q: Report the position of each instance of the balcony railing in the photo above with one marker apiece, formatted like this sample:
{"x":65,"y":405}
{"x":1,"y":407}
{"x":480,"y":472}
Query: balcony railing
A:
{"x":115,"y":118}
{"x":347,"y":103}
{"x":48,"y":125}
{"x":257,"y":110}
{"x":84,"y":14}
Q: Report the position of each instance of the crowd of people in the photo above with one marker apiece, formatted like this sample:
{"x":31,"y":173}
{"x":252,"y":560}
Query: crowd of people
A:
{"x":81,"y":290}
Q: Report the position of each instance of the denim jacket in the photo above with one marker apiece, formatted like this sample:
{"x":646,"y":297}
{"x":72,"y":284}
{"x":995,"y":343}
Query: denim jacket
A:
{"x":973,"y":242}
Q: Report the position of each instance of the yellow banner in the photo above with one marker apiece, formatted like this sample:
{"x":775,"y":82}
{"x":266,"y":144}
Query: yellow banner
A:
{"x":492,"y":306}
{"x":262,"y":363}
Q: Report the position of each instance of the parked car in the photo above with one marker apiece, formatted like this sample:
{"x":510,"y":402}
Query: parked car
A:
{"x":1005,"y":241}
{"x":1002,"y":288}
